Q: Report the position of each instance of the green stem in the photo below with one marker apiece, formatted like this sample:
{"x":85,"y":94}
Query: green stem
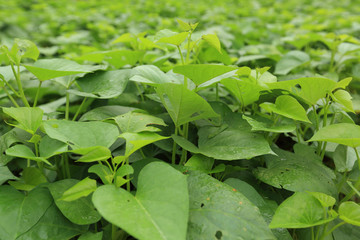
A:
{"x":181,"y":55}
{"x":37,"y":94}
{"x":184,"y":152}
{"x":18,"y":82}
{"x":142,"y":153}
{"x":312,"y":233}
{"x":173,"y":158}
{"x":113,"y":232}
{"x":188,"y":48}
{"x":353,"y":188}
{"x":298,"y":135}
{"x":139,"y":90}
{"x":343,"y":180}
{"x":67,"y":106}
{"x":11,"y":87}
{"x":66,"y":165}
{"x":217,"y":91}
{"x":10,"y":97}
{"x":128,"y":187}
{"x":79,"y":109}
{"x":331,"y":230}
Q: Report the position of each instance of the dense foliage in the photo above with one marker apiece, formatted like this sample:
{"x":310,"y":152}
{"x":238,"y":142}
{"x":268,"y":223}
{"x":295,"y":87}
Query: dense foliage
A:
{"x":175,"y":120}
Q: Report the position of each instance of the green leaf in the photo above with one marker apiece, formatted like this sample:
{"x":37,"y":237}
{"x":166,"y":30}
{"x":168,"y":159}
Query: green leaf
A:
{"x":120,"y":58}
{"x":103,"y":172}
{"x":228,"y":142}
{"x":201,"y":73}
{"x":49,"y":147}
{"x":290,"y":61}
{"x":200,"y":162}
{"x":28,"y":49}
{"x":135,"y":141}
{"x":183,"y":105}
{"x":19,"y":213}
{"x":187,"y":26}
{"x":30,"y":178}
{"x":80,"y":211}
{"x":23,"y":151}
{"x":218,"y":209}
{"x":267,"y":208}
{"x":7,"y":72}
{"x":343,"y":133}
{"x":245,"y":91}
{"x":294,"y":172}
{"x":344,"y":98}
{"x":138,"y":122}
{"x":309,"y":89}
{"x":6,"y":174}
{"x":91,"y":236}
{"x":325,"y":200}
{"x":122,"y":172}
{"x":259,"y":123}
{"x":93,"y":154}
{"x":350,"y":213}
{"x":53,"y":225}
{"x":213,"y":40}
{"x":29,"y":119}
{"x":344,"y":158}
{"x":308,"y":212}
{"x":46,"y":69}
{"x":104,"y":112}
{"x":150,"y":75}
{"x":287,"y":106}
{"x":79,"y":190}
{"x":161,"y":204}
{"x":103,"y":85}
{"x":175,"y":39}
{"x":82,"y":134}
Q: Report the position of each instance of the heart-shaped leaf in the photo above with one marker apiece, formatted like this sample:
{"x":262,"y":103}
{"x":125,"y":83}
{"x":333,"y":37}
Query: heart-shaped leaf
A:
{"x":350,"y":213}
{"x":29,"y":119}
{"x":219,"y":211}
{"x":184,"y":105}
{"x":82,"y":134}
{"x":308,"y":212}
{"x":159,"y":210}
{"x":138,"y":122}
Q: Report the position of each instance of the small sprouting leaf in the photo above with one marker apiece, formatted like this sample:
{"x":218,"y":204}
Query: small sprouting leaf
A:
{"x":176,"y":39}
{"x":138,"y":122}
{"x":324,"y":199}
{"x":308,"y":212}
{"x":187,"y":27}
{"x":122,"y":172}
{"x":244,"y":71}
{"x":343,"y":133}
{"x":287,"y":106}
{"x":79,"y":190}
{"x":350,"y":213}
{"x":213,"y":40}
{"x":29,"y":119}
{"x":103,"y":172}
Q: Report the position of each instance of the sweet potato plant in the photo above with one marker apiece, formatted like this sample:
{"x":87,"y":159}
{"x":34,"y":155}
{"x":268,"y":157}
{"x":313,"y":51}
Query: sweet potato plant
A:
{"x":167,"y":135}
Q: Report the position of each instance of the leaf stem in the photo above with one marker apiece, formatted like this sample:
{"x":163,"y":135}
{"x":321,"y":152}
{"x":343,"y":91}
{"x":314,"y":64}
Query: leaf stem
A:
{"x":79,"y":109}
{"x":18,"y":82}
{"x":10,"y":97}
{"x":67,"y":106}
{"x":331,"y":230}
{"x":357,"y":183}
{"x":37,"y":94}
{"x":181,"y":55}
{"x":173,"y":158}
{"x":184,"y":152}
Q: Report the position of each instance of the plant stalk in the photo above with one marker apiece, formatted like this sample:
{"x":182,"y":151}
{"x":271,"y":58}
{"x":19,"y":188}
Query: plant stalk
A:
{"x":18,"y":82}
{"x":79,"y":109}
{"x":37,"y":94}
